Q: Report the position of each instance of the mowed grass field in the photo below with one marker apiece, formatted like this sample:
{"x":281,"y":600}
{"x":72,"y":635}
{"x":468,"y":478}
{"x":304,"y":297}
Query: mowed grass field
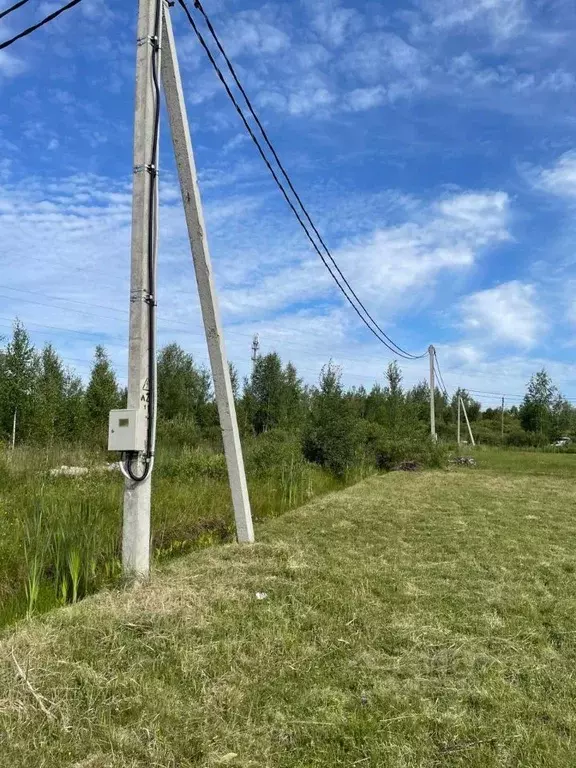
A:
{"x":415,"y":619}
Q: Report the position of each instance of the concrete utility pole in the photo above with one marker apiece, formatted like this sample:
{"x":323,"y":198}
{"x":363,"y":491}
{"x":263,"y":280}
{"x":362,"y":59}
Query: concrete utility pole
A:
{"x":136,"y":528}
{"x":431,"y":353}
{"x":459,"y":419}
{"x":502,"y":421}
{"x":202,"y":265}
{"x":467,"y":423}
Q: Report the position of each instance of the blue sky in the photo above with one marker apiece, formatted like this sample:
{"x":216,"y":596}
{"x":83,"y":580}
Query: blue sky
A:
{"x":433,"y":141}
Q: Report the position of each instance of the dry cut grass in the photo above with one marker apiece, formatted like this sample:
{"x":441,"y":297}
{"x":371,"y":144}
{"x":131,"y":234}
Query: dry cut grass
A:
{"x":413,"y":620}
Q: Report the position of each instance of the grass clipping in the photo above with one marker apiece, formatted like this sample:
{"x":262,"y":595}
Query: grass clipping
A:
{"x":417,"y":619}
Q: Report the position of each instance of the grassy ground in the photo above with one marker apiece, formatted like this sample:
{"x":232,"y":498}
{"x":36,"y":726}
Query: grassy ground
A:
{"x":414,"y":620}
{"x":60,"y":536}
{"x":525,"y":462}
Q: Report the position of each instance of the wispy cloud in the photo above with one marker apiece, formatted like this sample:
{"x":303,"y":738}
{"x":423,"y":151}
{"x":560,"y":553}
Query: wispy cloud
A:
{"x":502,"y":18}
{"x":403,"y":128}
{"x":334,"y":22}
{"x":508,"y":313}
{"x":11,"y":65}
{"x":560,"y":177}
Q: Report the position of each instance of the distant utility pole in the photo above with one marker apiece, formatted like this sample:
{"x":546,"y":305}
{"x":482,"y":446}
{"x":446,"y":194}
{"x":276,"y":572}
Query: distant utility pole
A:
{"x":14,"y":428}
{"x":255,"y":349}
{"x":203,"y":267}
{"x":502,"y":420}
{"x":468,"y":423}
{"x":459,"y":419}
{"x":431,"y":353}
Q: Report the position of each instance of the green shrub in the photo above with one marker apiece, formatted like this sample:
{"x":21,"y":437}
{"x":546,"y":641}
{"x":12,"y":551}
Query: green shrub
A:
{"x":335,"y":444}
{"x":178,"y":432}
{"x":272,"y":451}
{"x":194,"y":463}
{"x":484,"y":434}
{"x":519,"y":438}
{"x":388,"y":453}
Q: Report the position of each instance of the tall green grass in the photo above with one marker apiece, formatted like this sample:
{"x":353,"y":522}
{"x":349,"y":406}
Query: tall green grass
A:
{"x":60,"y":536}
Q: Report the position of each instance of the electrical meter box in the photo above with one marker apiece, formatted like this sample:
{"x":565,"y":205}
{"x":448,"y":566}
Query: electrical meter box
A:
{"x":127,"y":430}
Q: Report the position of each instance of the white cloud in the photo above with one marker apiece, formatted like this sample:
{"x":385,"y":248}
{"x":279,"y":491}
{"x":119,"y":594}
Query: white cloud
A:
{"x":251,"y":32}
{"x":483,"y":214}
{"x":507,"y":313}
{"x":476,"y":367}
{"x":365,"y":98}
{"x":11,"y":65}
{"x":396,"y":265}
{"x":470,"y":74}
{"x":381,"y":56}
{"x":560,"y":178}
{"x":393,"y":268}
{"x":334,"y":23}
{"x":310,"y":100}
{"x":503,"y":18}
{"x":69,"y":238}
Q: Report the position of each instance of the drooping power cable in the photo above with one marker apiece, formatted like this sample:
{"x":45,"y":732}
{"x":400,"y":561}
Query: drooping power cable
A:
{"x":34,"y":27}
{"x":392,"y":346}
{"x":12,"y":8}
{"x":231,"y":69}
{"x":440,"y":377}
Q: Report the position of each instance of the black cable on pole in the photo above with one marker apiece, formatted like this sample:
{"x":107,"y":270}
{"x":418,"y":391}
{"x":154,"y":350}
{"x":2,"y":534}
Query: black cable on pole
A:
{"x":199,"y":7}
{"x":152,"y":169}
{"x":387,"y":343}
{"x":33,"y":28}
{"x":14,"y":7}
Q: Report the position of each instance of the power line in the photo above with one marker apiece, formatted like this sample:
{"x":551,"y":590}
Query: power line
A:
{"x":440,"y":378}
{"x":62,"y":298}
{"x":61,"y":329}
{"x":33,"y":28}
{"x":493,"y":394}
{"x":380,"y":335}
{"x":64,"y":309}
{"x":13,"y":8}
{"x":184,"y":325}
{"x":264,"y":133}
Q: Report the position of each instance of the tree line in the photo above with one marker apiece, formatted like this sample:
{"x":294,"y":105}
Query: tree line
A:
{"x":333,"y":424}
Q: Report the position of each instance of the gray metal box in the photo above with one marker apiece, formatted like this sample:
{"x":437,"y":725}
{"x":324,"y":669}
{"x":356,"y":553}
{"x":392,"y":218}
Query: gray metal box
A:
{"x":127,"y":430}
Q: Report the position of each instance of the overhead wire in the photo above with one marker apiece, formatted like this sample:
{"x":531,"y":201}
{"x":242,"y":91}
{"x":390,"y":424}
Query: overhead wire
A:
{"x":12,"y":8}
{"x":389,"y":343}
{"x":440,"y":377}
{"x":34,"y":27}
{"x":183,"y":324}
{"x":380,"y":335}
{"x":198,"y":5}
{"x":63,"y":298}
